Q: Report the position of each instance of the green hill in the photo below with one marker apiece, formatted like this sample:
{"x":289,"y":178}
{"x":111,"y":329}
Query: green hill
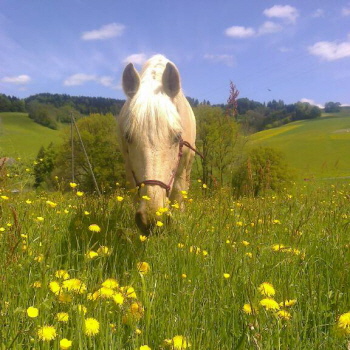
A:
{"x":20,"y":136}
{"x":315,"y":148}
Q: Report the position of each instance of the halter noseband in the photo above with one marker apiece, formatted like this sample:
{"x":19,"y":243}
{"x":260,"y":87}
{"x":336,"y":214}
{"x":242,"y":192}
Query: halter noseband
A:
{"x":167,"y":187}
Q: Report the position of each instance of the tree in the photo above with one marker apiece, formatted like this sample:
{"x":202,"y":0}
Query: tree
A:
{"x":263,"y":169}
{"x":217,"y":136}
{"x":44,"y":165}
{"x":99,"y":136}
{"x":332,"y":107}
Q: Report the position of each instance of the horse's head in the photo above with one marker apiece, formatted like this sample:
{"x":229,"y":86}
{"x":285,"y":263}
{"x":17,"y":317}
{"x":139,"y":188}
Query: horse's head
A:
{"x":151,"y":134}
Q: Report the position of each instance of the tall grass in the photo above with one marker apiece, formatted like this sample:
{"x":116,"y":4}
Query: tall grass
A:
{"x":203,"y":268}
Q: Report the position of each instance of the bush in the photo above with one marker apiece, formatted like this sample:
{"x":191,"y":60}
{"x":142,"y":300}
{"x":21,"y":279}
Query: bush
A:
{"x":263,"y":169}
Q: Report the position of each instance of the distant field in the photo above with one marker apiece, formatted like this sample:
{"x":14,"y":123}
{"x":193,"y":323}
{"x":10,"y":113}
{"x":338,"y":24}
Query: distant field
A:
{"x":315,"y":148}
{"x":20,"y":136}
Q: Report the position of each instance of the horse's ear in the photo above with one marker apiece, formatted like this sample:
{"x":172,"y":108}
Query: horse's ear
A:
{"x":131,"y":80}
{"x":171,"y":80}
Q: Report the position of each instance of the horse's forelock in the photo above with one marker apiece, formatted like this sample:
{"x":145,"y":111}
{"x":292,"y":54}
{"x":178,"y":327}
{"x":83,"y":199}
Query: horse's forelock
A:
{"x":151,"y":110}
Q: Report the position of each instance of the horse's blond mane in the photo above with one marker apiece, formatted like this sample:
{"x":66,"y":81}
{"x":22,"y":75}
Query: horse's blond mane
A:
{"x":151,"y":111}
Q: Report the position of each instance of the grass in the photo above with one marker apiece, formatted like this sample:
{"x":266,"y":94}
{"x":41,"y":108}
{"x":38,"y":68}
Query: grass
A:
{"x":22,"y":137}
{"x":203,"y":268}
{"x":315,"y":148}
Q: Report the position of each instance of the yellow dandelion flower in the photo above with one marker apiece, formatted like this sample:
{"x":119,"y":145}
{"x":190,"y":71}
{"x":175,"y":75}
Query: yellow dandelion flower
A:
{"x":227,"y":275}
{"x":5,"y":198}
{"x":64,"y":298}
{"x":248,"y":309}
{"x":32,"y":312}
{"x":46,"y":333}
{"x":62,"y":317}
{"x":73,"y":184}
{"x":94,"y":228}
{"x":184,"y":275}
{"x":343,"y":323}
{"x":204,"y":253}
{"x":110,"y":283}
{"x":37,"y":284}
{"x":180,"y":245}
{"x":39,"y":219}
{"x":159,"y":223}
{"x":120,"y":198}
{"x":65,"y":344}
{"x":39,"y":258}
{"x":63,"y":274}
{"x":74,"y":285}
{"x":91,"y":254}
{"x":179,"y":342}
{"x":136,"y":310}
{"x":278,"y":247}
{"x":51,"y":204}
{"x":249,"y":255}
{"x":245,"y":243}
{"x":176,"y":205}
{"x":269,"y":304}
{"x":138,"y":331}
{"x":145,"y":347}
{"x":55,"y":287}
{"x":129,"y":292}
{"x":143,"y":267}
{"x":80,"y":193}
{"x":28,"y":201}
{"x":105,"y":293}
{"x":267,"y":289}
{"x":204,"y":186}
{"x":118,"y":298}
{"x":143,"y":238}
{"x":86,"y":213}
{"x":146,"y":198}
{"x":276,"y":221}
{"x":288,"y":303}
{"x":104,"y":251}
{"x":284,"y":315}
{"x":92,"y":326}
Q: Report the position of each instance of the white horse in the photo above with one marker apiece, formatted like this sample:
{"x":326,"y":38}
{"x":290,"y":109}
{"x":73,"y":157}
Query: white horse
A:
{"x":155,"y":124}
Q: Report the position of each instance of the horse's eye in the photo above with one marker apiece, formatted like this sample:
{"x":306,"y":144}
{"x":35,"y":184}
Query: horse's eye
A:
{"x":128,"y":137}
{"x":177,"y":137}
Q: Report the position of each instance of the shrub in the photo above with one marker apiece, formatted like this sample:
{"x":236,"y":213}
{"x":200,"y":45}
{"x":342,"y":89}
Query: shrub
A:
{"x":263,"y":169}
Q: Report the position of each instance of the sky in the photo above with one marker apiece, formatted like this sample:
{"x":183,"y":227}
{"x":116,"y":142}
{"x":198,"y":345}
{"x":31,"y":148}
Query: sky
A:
{"x":289,"y":50}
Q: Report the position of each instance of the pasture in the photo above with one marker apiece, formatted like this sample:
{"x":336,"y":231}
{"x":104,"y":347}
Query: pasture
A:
{"x":22,"y":137}
{"x":265,"y":273}
{"x":315,"y":148}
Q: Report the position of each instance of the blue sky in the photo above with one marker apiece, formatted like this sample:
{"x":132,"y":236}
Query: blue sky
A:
{"x":289,"y":50}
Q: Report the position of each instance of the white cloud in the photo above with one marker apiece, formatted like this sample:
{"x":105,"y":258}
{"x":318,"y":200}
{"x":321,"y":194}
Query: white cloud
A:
{"x":105,"y":32}
{"x":81,"y":79}
{"x":240,"y":32}
{"x":345,"y":11}
{"x":318,"y":13}
{"x":312,"y":102}
{"x":286,"y":12}
{"x":330,"y":51}
{"x":228,"y":60}
{"x":136,"y":58}
{"x":269,"y":28}
{"x":19,"y":80}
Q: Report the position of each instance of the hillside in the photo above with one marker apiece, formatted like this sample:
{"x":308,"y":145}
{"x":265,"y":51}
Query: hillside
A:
{"x":315,"y":148}
{"x":21,"y":136}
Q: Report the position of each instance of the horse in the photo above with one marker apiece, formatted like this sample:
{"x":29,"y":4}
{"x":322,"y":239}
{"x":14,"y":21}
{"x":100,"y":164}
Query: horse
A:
{"x":157,"y":132}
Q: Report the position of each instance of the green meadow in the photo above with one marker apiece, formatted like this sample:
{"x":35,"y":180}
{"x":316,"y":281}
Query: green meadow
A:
{"x":22,"y":137}
{"x":314,"y":148}
{"x":270,"y":272}
{"x":264,"y":273}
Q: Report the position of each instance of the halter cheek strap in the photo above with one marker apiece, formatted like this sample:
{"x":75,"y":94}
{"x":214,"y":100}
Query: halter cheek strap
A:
{"x":167,"y":187}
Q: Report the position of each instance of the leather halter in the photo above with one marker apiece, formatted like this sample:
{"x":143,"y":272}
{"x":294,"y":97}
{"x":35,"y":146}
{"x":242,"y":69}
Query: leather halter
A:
{"x":167,"y":187}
